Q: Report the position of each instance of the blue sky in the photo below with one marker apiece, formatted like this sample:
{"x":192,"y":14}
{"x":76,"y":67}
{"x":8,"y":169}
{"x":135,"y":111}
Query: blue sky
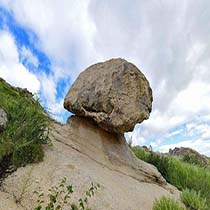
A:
{"x":44,"y":45}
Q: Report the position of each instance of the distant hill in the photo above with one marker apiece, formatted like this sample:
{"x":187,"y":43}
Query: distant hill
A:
{"x":191,"y":156}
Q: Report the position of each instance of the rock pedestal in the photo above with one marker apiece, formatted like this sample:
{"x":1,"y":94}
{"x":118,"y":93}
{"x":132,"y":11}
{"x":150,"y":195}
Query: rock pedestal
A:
{"x":84,"y":153}
{"x":108,"y":99}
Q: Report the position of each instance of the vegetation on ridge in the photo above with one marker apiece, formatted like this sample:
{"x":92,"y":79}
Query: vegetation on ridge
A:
{"x":193,"y":159}
{"x":27,"y":127}
{"x":190,"y":178}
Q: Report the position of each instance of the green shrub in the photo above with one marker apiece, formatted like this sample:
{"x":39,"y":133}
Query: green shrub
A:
{"x":59,"y":197}
{"x":184,"y":175}
{"x":194,"y":200}
{"x":27,"y":154}
{"x":141,"y":154}
{"x":166,"y":203}
{"x":195,"y":160}
{"x":27,"y":126}
{"x":161,"y":162}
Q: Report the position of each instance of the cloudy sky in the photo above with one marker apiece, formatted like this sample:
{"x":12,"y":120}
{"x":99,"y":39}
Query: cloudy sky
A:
{"x":45,"y":44}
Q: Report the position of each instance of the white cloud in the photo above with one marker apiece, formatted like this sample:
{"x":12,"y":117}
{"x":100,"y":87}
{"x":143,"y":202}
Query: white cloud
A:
{"x":64,"y":30}
{"x":49,"y":92}
{"x":65,"y":34}
{"x":174,"y":133}
{"x":195,"y":98}
{"x":196,"y":133}
{"x":168,"y":41}
{"x":11,"y":69}
{"x":28,"y":57}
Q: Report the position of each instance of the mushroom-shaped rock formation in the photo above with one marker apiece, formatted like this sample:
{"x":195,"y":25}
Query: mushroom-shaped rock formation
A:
{"x":85,"y":153}
{"x":114,"y":93}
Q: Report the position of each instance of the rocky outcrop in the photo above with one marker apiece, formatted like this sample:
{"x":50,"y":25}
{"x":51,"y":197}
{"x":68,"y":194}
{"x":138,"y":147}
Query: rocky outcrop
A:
{"x":115,"y":94}
{"x":145,"y":148}
{"x":85,"y":153}
{"x":188,"y":153}
{"x":3,"y":119}
{"x":108,"y":99}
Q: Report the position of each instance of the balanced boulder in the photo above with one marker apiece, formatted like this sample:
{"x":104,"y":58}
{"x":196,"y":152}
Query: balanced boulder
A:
{"x":114,"y":93}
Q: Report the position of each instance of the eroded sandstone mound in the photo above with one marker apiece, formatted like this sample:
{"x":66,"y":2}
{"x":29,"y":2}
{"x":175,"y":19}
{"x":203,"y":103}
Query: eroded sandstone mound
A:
{"x":85,"y":153}
{"x":110,"y":97}
{"x":115,"y":94}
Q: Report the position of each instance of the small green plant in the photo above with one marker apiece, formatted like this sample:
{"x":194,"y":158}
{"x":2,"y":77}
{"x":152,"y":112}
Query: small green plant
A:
{"x":166,"y":203}
{"x":193,"y":200}
{"x":59,"y":197}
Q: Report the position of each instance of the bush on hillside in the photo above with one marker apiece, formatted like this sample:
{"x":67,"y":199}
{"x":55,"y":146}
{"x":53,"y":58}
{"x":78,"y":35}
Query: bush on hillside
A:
{"x":27,"y":127}
{"x":161,"y":162}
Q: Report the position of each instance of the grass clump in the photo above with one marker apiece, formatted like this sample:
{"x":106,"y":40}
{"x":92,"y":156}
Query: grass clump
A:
{"x":59,"y":197}
{"x":166,"y":203}
{"x":27,"y":127}
{"x":193,"y":200}
{"x":161,"y":162}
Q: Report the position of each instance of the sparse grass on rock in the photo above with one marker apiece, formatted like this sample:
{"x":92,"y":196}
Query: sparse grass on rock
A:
{"x":59,"y":197}
{"x":27,"y":127}
{"x":166,"y":203}
{"x":191,"y":200}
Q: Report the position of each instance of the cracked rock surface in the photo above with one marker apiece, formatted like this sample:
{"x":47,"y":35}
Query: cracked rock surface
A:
{"x":114,"y":93}
{"x":85,"y":153}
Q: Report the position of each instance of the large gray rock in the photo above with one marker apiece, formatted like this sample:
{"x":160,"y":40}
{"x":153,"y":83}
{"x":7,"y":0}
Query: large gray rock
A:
{"x":3,"y":119}
{"x":115,"y":94}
